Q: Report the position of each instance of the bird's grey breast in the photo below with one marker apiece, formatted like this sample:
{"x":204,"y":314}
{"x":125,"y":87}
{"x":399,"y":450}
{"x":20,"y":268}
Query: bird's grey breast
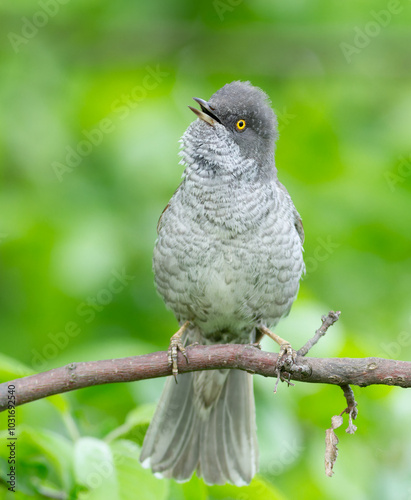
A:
{"x":231,"y":257}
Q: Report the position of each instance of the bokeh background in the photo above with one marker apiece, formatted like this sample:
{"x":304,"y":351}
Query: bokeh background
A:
{"x":93,"y":102}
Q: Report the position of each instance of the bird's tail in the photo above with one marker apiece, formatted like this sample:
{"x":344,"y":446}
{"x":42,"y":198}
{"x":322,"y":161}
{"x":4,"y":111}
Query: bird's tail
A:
{"x":205,"y":422}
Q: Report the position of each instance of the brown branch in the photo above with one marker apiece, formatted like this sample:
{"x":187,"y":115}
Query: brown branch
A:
{"x":351,"y":408}
{"x":326,"y":322}
{"x":351,"y":402}
{"x":337,"y":371}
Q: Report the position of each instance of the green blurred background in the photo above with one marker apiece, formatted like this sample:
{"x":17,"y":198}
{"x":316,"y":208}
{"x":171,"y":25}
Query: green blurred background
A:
{"x":93,"y":102}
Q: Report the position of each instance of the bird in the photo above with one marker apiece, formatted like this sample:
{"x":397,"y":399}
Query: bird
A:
{"x":227,"y":261}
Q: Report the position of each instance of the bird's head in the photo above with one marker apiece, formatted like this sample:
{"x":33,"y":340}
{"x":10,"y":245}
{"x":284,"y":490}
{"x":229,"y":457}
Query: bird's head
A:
{"x":240,"y":113}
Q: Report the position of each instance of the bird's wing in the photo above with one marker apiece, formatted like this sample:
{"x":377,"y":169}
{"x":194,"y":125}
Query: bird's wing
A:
{"x":298,"y":224}
{"x":161,"y":216}
{"x":160,"y":220}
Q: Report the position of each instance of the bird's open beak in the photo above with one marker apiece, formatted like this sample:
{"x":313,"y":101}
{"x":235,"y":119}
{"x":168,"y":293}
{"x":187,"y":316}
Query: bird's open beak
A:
{"x":206,"y":114}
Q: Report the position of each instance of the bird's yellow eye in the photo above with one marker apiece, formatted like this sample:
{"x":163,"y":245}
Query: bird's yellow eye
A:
{"x":240,"y":124}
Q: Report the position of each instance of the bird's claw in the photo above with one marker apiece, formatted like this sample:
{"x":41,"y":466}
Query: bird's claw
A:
{"x":175,"y":345}
{"x":286,"y":357}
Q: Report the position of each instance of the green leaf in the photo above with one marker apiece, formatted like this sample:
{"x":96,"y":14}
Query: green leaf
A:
{"x":258,"y":488}
{"x":5,"y":494}
{"x":193,"y":489}
{"x":94,"y":469}
{"x":134,"y":481}
{"x":11,"y":368}
{"x":135,"y":426}
{"x":44,"y":461}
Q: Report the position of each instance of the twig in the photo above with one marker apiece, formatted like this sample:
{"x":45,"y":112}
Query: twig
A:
{"x":351,"y":408}
{"x":331,"y":438}
{"x":326,"y":322}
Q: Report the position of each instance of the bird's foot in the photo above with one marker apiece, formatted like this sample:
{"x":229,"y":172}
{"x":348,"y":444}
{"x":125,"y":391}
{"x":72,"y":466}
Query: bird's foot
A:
{"x":286,"y":356}
{"x":285,"y":361}
{"x":176,"y":345}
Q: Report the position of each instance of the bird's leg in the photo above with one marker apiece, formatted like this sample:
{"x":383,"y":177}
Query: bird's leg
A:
{"x":287,"y":354}
{"x":177,"y":345}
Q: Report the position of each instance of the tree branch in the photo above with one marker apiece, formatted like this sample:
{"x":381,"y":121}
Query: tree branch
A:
{"x":326,"y":322}
{"x":336,"y":371}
